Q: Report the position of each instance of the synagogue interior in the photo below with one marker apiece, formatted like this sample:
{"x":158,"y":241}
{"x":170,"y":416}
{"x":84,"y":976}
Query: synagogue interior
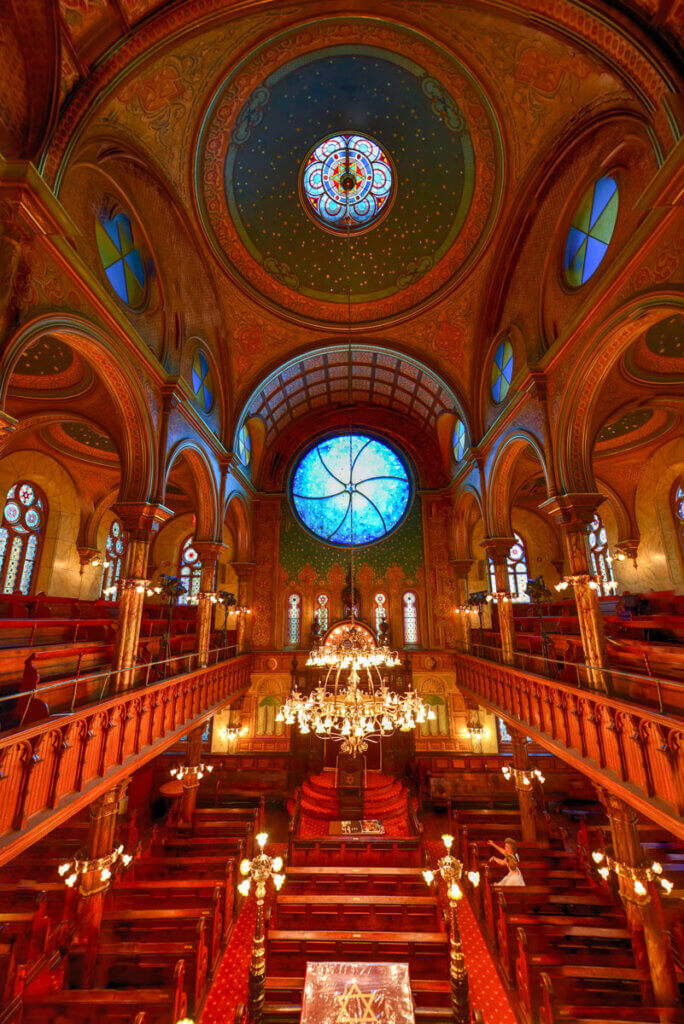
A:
{"x":342,"y":498}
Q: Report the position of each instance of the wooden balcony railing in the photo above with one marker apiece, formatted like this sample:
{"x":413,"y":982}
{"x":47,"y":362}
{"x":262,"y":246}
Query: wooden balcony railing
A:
{"x":49,"y":770}
{"x":633,"y":751}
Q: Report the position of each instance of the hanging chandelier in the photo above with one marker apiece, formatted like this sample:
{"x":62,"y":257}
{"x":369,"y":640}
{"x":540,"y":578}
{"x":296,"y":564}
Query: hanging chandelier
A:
{"x":353,"y":703}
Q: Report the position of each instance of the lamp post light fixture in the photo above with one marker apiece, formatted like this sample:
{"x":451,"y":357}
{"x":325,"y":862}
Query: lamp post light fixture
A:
{"x":451,"y":871}
{"x":521,"y":776}
{"x":259,"y":870}
{"x":639,"y":877}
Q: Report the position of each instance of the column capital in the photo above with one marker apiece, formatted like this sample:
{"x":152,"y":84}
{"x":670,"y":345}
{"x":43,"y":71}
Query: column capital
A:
{"x":497,"y":547}
{"x":574,"y":511}
{"x":461,"y":566}
{"x":209,"y":550}
{"x":616,"y":807}
{"x":140,"y":518}
{"x":244,"y":570}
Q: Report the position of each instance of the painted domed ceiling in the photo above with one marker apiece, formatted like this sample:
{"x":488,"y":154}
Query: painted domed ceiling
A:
{"x":268,"y":120}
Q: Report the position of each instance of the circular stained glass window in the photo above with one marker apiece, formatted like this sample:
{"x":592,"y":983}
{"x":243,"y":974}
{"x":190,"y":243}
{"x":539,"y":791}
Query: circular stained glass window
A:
{"x":502,"y":371}
{"x":244,"y":447}
{"x":459,"y":440}
{"x":348,"y":183}
{"x":591,"y":231}
{"x":202,"y":380}
{"x":350,"y":487}
{"x":121,"y":258}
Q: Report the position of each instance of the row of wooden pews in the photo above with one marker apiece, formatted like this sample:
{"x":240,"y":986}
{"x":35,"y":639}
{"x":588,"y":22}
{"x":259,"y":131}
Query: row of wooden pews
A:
{"x":562,"y":940}
{"x":165,"y":922}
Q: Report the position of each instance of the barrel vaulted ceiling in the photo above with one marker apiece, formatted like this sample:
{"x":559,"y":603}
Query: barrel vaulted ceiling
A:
{"x":222,"y":102}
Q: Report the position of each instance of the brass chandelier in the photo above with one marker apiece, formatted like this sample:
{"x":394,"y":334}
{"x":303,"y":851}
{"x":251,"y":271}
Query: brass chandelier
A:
{"x":353,"y":704}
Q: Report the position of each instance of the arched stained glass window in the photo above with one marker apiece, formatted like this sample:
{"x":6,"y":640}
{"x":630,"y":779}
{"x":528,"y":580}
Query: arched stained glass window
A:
{"x":439,"y":725}
{"x":294,"y":620}
{"x":601,"y":560}
{"x":350,"y":486}
{"x":347,"y":183}
{"x":410,"y":618}
{"x":591,"y":231}
{"x":121,"y":258}
{"x":678,"y":492}
{"x":190,"y":572}
{"x":115,"y":549}
{"x":379,"y":611}
{"x":202,"y":380}
{"x":244,"y":447}
{"x":516,"y":563}
{"x":459,"y":441}
{"x":23,"y":519}
{"x":502,"y":371}
{"x":322,"y":609}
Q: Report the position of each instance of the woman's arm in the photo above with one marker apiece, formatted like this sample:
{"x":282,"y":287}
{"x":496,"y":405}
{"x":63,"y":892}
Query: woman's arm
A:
{"x":498,"y":860}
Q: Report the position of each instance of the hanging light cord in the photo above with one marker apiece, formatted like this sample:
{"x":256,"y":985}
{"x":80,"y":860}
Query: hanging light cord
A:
{"x":347,"y":175}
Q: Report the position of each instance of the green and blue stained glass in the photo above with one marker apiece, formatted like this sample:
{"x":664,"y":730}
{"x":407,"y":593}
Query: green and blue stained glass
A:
{"x":244,"y":447}
{"x":350,"y":489}
{"x":459,"y":440}
{"x":202,"y":380}
{"x":591,"y":231}
{"x":121,"y":258}
{"x":502,"y":371}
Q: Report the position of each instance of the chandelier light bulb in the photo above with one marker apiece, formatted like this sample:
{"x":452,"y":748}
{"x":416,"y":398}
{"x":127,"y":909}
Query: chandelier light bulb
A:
{"x":429,"y":877}
{"x":262,"y":839}
{"x":597,"y":856}
{"x":455,"y":891}
{"x":639,"y":888}
{"x":474,"y":877}
{"x":243,"y":887}
{"x":448,"y":841}
{"x":245,"y":867}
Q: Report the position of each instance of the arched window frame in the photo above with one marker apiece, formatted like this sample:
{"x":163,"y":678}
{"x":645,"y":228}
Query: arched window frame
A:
{"x":518,"y":574}
{"x":380,"y":610}
{"x":599,"y":553}
{"x":21,"y":541}
{"x":189,"y":571}
{"x":293,"y":620}
{"x":409,"y":609}
{"x":678,"y":511}
{"x":115,"y":553}
{"x":322,"y":611}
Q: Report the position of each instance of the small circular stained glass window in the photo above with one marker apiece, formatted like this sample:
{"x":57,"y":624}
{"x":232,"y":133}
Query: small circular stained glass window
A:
{"x":502,"y":371}
{"x":348,"y":183}
{"x":202,"y":380}
{"x":459,"y":440}
{"x":121,"y":258}
{"x":591,"y":231}
{"x":244,"y":447}
{"x":350,"y":489}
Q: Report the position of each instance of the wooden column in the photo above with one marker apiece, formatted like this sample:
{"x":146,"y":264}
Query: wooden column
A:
{"x":497,"y":549}
{"x":461,"y":569}
{"x":245,"y":576}
{"x":209,"y":552}
{"x":526,"y":802}
{"x":644,"y":915}
{"x":92,"y":890}
{"x":574,"y":512}
{"x":140,"y":521}
{"x":193,"y":754}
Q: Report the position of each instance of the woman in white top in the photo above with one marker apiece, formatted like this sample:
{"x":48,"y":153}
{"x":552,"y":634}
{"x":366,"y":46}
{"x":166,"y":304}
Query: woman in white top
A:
{"x":509,"y":860}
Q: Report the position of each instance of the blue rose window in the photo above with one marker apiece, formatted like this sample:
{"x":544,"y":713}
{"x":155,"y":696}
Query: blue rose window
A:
{"x":347,"y":183}
{"x":350,"y":484}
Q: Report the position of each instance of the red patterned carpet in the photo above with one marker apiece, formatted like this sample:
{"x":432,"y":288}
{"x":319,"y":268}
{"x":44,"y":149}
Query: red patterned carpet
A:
{"x":230,"y":984}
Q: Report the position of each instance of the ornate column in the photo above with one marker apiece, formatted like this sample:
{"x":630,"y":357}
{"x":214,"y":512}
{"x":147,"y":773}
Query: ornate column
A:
{"x":461,"y":569}
{"x":190,"y":781}
{"x":209,"y":552}
{"x":526,"y":801}
{"x":140,"y":522}
{"x":93,"y":887}
{"x":245,"y":576}
{"x":573,"y":512}
{"x":644,"y":913}
{"x":497,"y":549}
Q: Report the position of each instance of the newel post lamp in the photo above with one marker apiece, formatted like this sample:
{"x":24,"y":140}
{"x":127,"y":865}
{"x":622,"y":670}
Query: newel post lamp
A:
{"x":259,"y":870}
{"x":451,"y":870}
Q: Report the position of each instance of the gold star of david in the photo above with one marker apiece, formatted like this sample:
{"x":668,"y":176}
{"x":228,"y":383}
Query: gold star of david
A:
{"x":363,"y":999}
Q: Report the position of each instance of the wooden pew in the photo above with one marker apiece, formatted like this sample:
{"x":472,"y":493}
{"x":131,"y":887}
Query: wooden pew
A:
{"x":183,"y":893}
{"x":576,"y":996}
{"x":166,"y":924}
{"x":352,"y":851}
{"x":425,"y":952}
{"x":365,"y":912}
{"x":8,"y":967}
{"x":389,"y":881}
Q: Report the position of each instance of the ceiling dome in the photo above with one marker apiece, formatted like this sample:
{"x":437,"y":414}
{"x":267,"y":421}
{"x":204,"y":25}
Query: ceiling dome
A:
{"x":269,"y":118}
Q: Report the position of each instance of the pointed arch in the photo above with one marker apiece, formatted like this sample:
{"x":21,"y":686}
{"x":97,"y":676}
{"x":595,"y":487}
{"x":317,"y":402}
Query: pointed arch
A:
{"x":238,"y":521}
{"x":207,"y":526}
{"x":498,"y":505}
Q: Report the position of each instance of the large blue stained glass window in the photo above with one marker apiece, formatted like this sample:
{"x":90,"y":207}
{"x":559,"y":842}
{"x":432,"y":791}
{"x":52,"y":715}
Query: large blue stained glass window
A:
{"x":502,"y":371}
{"x":591,"y":231}
{"x":347,"y":182}
{"x":350,"y":487}
{"x":121,"y":258}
